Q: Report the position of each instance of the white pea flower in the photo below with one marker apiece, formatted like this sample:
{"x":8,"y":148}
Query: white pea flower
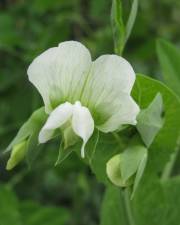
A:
{"x":82,"y":94}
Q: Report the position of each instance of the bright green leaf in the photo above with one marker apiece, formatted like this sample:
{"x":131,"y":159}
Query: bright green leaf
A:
{"x":144,"y":91}
{"x":113,"y":211}
{"x":149,"y":204}
{"x":157,"y":202}
{"x":172,"y":195}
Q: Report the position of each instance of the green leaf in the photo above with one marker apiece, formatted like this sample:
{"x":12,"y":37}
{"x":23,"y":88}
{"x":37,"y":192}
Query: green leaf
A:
{"x":33,"y":147}
{"x":149,"y":204}
{"x":9,"y":213}
{"x":113,"y":211}
{"x":144,"y":91}
{"x":35,"y":122}
{"x":117,"y":26}
{"x":153,"y":204}
{"x":35,"y":214}
{"x":169,"y":58}
{"x":63,"y":153}
{"x":172,"y":195}
{"x":15,"y":212}
{"x":140,"y":172}
{"x":157,"y":202}
{"x":106,"y":148}
{"x":121,"y":32}
{"x":131,"y":19}
{"x":150,"y":120}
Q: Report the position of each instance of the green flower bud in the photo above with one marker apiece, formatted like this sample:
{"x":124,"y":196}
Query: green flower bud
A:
{"x":127,"y":168}
{"x":114,"y":172}
{"x":17,"y":154}
{"x":26,"y":140}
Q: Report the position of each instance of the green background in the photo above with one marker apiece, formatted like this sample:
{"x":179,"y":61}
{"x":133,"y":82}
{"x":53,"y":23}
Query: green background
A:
{"x":68,"y":193}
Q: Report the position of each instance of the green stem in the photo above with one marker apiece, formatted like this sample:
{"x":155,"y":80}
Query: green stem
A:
{"x":119,"y":140}
{"x":169,"y":167}
{"x":17,"y":178}
{"x":127,"y":203}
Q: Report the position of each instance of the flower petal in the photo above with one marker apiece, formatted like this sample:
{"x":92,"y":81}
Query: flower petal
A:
{"x":57,"y":118}
{"x":82,"y":124}
{"x":109,"y":73}
{"x":60,"y":72}
{"x":125,"y":112}
{"x":107,"y":92}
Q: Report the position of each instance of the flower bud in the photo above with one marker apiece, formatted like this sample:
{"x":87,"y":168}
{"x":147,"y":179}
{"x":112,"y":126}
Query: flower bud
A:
{"x":17,"y":154}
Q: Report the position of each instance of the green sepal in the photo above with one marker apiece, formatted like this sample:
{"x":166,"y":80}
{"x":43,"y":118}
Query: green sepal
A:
{"x":122,"y":31}
{"x":29,"y":132}
{"x":63,"y":153}
{"x":126,"y":169}
{"x":114,"y":172}
{"x":70,"y":138}
{"x":75,"y":146}
{"x":118,"y":27}
{"x":150,"y":120}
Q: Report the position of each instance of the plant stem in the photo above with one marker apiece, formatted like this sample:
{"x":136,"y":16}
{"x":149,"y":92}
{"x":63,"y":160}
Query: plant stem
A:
{"x":169,"y":166}
{"x":119,"y":140}
{"x":128,"y":209}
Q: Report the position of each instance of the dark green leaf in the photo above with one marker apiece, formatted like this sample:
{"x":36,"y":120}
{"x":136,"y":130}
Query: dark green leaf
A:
{"x":9,"y":213}
{"x":131,"y":19}
{"x":64,"y":153}
{"x":35,"y":214}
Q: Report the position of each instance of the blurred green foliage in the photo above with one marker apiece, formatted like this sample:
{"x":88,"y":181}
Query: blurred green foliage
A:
{"x":27,"y":28}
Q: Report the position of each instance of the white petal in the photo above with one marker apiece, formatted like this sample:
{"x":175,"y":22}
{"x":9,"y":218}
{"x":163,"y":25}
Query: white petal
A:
{"x":82,"y":123}
{"x":60,"y":72}
{"x":57,"y":118}
{"x":108,"y":92}
{"x":126,"y":113}
{"x":109,"y":73}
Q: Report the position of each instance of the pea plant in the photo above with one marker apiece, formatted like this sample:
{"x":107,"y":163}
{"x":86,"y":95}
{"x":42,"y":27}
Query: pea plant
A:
{"x":124,"y":125}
